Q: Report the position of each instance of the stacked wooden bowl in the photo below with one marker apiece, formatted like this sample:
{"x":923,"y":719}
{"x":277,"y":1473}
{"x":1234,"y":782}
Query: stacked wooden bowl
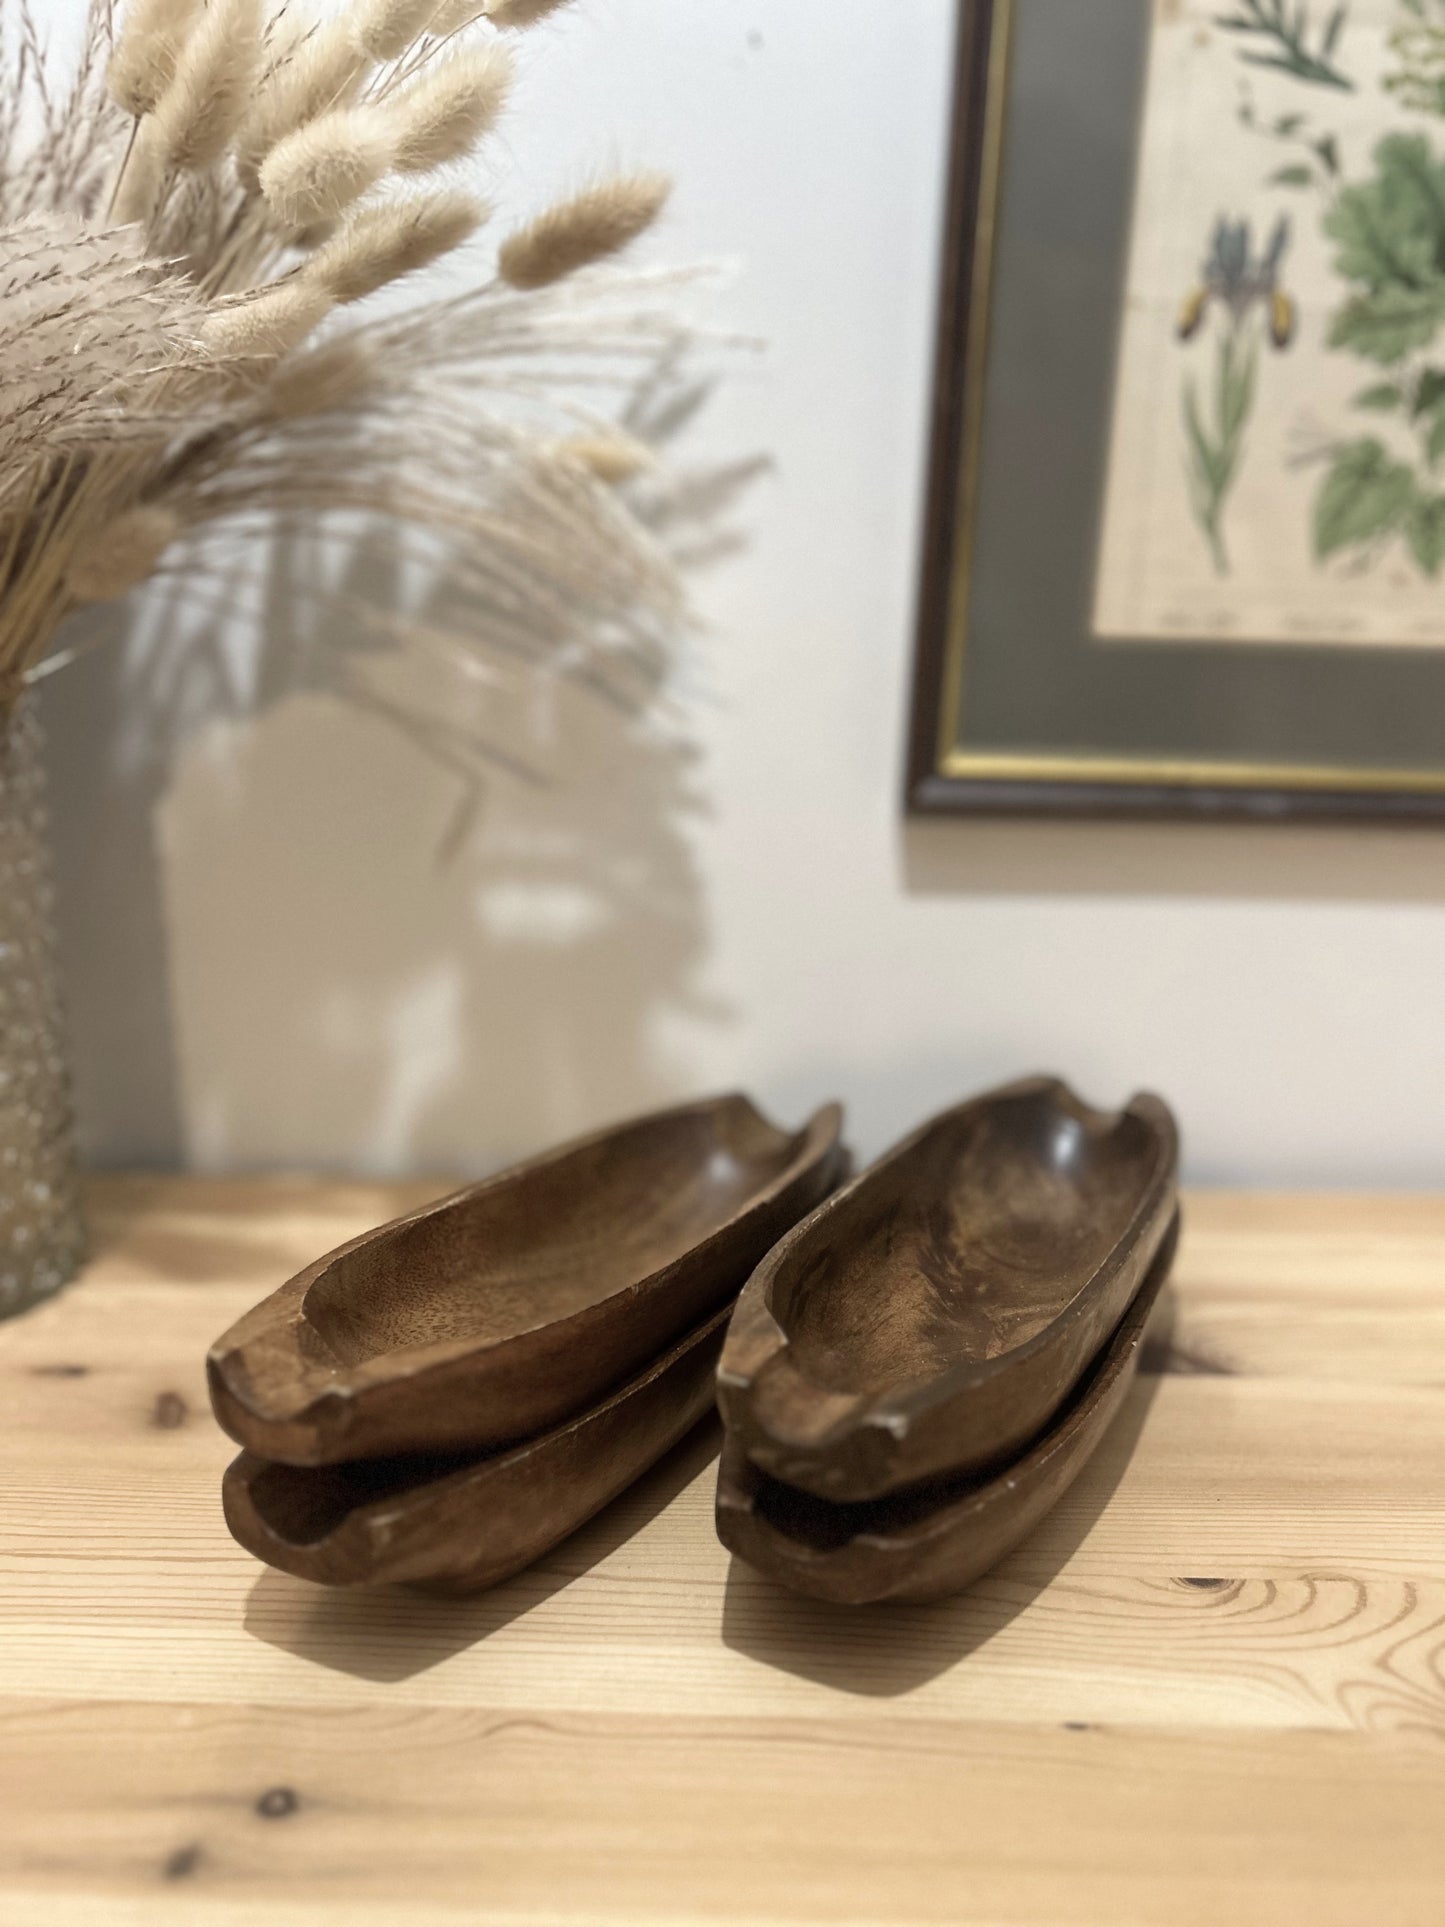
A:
{"x":919,"y":1369}
{"x":441,"y":1401}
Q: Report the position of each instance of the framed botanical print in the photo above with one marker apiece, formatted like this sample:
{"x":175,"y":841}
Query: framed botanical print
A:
{"x":1185,"y":550}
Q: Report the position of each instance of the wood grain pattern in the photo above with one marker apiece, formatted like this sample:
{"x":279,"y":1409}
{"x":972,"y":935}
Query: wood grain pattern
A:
{"x":1211,"y":1685}
{"x":934,"y":1541}
{"x":932,"y":1316}
{"x":464,"y":1526}
{"x":492,"y":1315}
{"x":444,"y":1808}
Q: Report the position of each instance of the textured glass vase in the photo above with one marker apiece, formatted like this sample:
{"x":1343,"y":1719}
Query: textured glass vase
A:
{"x":42,"y":1238}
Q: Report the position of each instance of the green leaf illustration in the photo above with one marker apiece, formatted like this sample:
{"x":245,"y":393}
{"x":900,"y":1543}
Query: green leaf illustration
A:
{"x":1209,"y":460}
{"x":1236,"y":393}
{"x":1288,"y":37}
{"x":1390,"y":230}
{"x":1366,"y":493}
{"x":1389,"y":234}
{"x":1391,"y":322}
{"x":1296,"y":175}
{"x":1425,"y":533}
{"x":1384,"y":395}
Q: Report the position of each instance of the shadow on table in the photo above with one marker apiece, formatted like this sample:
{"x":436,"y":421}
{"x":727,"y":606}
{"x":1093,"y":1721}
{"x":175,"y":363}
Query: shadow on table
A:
{"x":388,"y":1633}
{"x":879,"y":1652}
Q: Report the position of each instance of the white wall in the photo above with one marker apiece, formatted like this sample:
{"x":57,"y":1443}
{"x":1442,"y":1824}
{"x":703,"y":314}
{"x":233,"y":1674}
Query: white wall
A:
{"x":756,"y":914}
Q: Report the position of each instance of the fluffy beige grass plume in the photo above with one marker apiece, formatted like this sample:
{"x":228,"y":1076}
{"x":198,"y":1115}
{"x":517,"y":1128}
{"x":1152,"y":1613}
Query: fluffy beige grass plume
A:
{"x":192,"y":231}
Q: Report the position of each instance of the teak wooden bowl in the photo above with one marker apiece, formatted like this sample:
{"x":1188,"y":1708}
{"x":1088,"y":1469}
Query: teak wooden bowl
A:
{"x":933,"y":1541}
{"x":494,"y":1314}
{"x":459,"y":1527}
{"x":932,"y":1316}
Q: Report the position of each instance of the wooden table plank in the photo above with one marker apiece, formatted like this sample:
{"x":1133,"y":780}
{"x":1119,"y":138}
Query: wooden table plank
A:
{"x":1267,"y":1498}
{"x":652,"y":1816}
{"x":1214,"y":1679}
{"x":1312,"y":1286}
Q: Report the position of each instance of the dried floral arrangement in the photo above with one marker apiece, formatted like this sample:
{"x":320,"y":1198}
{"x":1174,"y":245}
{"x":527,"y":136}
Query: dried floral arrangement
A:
{"x":190,"y":230}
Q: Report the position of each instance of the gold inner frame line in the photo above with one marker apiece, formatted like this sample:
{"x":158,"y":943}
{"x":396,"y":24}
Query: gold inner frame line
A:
{"x":1021,"y":766}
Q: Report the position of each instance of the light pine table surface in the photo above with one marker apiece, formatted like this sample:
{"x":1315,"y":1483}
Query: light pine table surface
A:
{"x":1210,"y":1688}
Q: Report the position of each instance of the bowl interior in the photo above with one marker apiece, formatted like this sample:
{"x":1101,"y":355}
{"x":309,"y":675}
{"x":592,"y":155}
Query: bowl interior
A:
{"x":552,"y":1241}
{"x":965,"y":1246}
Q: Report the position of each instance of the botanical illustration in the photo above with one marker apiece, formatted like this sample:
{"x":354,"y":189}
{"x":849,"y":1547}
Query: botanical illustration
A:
{"x":1302,"y":145}
{"x":1388,"y":231}
{"x":1390,"y":235}
{"x":1239,"y":285}
{"x":1280,"y":36}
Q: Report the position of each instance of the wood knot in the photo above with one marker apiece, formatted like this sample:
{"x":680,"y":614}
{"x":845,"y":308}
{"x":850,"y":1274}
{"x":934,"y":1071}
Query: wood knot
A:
{"x":277,"y":1803}
{"x":59,"y":1371}
{"x":182,"y":1862}
{"x":1205,"y":1585}
{"x":170,"y":1411}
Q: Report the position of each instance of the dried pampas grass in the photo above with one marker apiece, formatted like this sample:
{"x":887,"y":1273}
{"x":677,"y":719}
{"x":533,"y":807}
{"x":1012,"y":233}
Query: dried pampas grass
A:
{"x":188,"y":245}
{"x":86,"y":325}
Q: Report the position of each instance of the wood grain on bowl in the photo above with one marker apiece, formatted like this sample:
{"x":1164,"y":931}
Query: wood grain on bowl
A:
{"x":935,"y":1540}
{"x":494,"y":1314}
{"x":461,"y":1525}
{"x":932,"y":1315}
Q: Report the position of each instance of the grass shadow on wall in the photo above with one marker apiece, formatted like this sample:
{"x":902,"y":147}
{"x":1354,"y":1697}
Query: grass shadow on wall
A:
{"x":270,"y":957}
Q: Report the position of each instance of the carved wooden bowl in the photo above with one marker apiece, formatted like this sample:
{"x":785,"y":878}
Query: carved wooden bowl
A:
{"x":935,"y":1540}
{"x":493,"y":1315}
{"x":931,"y":1317}
{"x":461,"y":1525}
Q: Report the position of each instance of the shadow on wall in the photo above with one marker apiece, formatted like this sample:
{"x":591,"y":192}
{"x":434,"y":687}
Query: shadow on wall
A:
{"x":1256,"y":861}
{"x":267,"y":948}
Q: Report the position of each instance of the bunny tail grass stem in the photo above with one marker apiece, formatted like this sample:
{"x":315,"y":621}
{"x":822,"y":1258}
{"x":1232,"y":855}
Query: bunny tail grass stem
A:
{"x":380,"y":244}
{"x":441,"y":116}
{"x":259,"y":330}
{"x":123,"y":554}
{"x":308,"y":75}
{"x":455,"y":16}
{"x":315,"y":173}
{"x":147,"y":48}
{"x":384,"y":29}
{"x":115,"y":192}
{"x":594,"y":224}
{"x":191,"y":368}
{"x":198,"y":114}
{"x":521,"y":13}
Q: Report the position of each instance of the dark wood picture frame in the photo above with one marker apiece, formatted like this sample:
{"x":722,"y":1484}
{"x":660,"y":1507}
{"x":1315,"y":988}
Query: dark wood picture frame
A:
{"x":942,"y":779}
